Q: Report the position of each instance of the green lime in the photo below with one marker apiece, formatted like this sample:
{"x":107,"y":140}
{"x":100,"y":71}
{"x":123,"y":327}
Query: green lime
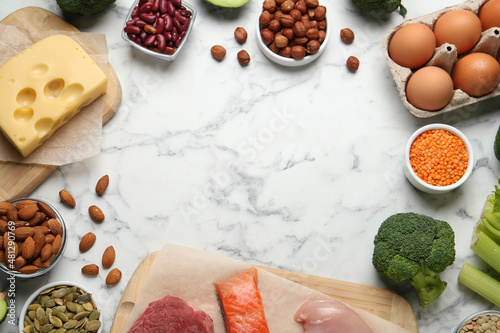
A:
{"x":496,"y":146}
{"x":3,"y":307}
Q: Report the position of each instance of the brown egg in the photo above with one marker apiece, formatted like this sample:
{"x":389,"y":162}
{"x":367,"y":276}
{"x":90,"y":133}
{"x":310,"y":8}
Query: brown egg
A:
{"x":461,"y":28}
{"x":476,"y":74}
{"x":489,"y":14}
{"x":412,"y":45}
{"x":429,"y":88}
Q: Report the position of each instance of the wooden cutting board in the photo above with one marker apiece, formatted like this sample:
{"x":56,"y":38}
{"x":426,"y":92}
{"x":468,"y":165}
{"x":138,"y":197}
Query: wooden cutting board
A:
{"x":18,"y":180}
{"x":378,"y":301}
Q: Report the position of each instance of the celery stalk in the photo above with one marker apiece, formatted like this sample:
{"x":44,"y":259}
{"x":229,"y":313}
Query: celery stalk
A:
{"x":480,"y":282}
{"x":487,"y":249}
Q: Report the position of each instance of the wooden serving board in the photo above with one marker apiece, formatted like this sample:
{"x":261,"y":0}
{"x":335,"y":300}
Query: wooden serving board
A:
{"x":378,"y":301}
{"x":17,"y":179}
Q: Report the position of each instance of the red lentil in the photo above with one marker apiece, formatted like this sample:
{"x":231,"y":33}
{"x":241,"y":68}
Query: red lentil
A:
{"x":439,"y":157}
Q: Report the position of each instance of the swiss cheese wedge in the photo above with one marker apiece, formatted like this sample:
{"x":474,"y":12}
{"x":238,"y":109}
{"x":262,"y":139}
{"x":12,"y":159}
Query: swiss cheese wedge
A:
{"x":43,"y":87}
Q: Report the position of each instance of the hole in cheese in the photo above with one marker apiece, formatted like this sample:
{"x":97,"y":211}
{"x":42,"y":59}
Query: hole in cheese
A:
{"x":22,"y":139}
{"x":53,"y":88}
{"x":24,"y":113}
{"x":26,"y":96}
{"x":44,"y":125}
{"x":71,"y":93}
{"x":39,"y":70}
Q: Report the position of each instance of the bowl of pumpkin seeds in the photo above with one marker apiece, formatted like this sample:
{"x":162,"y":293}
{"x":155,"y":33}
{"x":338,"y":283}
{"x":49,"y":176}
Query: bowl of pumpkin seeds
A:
{"x":60,"y":307}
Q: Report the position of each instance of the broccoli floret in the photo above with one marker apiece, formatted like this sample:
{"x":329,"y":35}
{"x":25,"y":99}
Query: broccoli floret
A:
{"x":415,"y":247}
{"x":84,"y":7}
{"x":381,"y":6}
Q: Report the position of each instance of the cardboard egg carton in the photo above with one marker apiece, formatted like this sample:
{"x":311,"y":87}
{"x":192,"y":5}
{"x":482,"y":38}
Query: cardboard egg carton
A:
{"x":445,"y":57}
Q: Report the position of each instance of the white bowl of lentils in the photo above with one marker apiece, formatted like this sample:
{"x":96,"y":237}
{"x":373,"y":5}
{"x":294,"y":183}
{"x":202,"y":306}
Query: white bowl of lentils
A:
{"x":483,"y":321}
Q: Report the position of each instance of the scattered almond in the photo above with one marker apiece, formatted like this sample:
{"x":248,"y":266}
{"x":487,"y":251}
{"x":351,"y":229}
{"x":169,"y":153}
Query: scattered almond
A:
{"x":87,"y":241}
{"x":91,"y":270}
{"x":114,"y":276}
{"x":102,"y":185}
{"x":108,"y":257}
{"x":96,"y":213}
{"x":67,"y":198}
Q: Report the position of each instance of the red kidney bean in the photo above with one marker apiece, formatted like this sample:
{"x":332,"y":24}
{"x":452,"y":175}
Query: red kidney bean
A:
{"x":156,"y":6}
{"x":168,"y":36}
{"x":162,"y":42}
{"x":175,"y":35}
{"x":150,"y":40}
{"x":149,"y":18}
{"x":170,"y":8}
{"x":181,"y":19}
{"x":177,"y":24}
{"x":131,"y":22}
{"x":185,"y":26}
{"x":186,"y":13}
{"x":160,"y":25}
{"x":177,"y":3}
{"x":163,"y":6}
{"x":181,"y":36}
{"x":183,"y":7}
{"x":141,"y":2}
{"x":143,"y":35}
{"x":140,"y":23}
{"x":168,"y":23}
{"x":132,"y":37}
{"x":132,"y":29}
{"x":135,"y":12}
{"x":146,"y":8}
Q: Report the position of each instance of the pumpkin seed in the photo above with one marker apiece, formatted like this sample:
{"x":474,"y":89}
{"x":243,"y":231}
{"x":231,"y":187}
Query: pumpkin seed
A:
{"x":40,"y":313}
{"x":27,"y":329}
{"x":94,"y":315}
{"x":70,"y":323}
{"x":81,"y":315}
{"x":36,"y":324}
{"x":60,"y":293}
{"x":88,"y":306}
{"x":50,"y":303}
{"x":32,"y":315}
{"x":71,"y":307}
{"x":93,"y":325}
{"x":33,"y":307}
{"x":60,"y":330}
{"x":82,"y":322}
{"x":62,"y":316}
{"x":46,"y":328}
{"x":55,"y":321}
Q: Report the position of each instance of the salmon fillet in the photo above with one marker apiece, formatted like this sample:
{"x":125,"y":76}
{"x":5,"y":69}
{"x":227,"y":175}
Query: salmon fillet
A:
{"x":242,"y":303}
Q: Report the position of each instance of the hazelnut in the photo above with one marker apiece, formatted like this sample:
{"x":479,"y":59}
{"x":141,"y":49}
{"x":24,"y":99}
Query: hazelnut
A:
{"x":278,"y":14}
{"x":312,"y":3}
{"x":313,"y":25}
{"x":279,"y":2}
{"x":286,"y":52}
{"x":267,"y":36}
{"x":347,"y":35}
{"x":274,"y":26}
{"x":320,"y":13}
{"x":301,"y":6}
{"x":295,"y":14}
{"x":269,"y":5}
{"x":265,"y":18}
{"x":312,"y":33}
{"x":312,"y":46}
{"x":306,"y":20}
{"x":300,"y":41}
{"x":287,"y":6}
{"x":243,"y":58}
{"x":310,"y":13}
{"x":287,"y":21}
{"x":218,"y":52}
{"x":288,"y":33}
{"x":274,"y":48}
{"x":352,"y":63}
{"x":280,"y":41}
{"x":241,"y":35}
{"x":298,"y":52}
{"x":322,"y":25}
{"x":299,"y":29}
{"x":321,"y":36}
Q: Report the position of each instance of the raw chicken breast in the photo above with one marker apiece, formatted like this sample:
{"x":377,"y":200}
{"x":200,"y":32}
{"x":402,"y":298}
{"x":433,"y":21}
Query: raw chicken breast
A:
{"x":330,"y":316}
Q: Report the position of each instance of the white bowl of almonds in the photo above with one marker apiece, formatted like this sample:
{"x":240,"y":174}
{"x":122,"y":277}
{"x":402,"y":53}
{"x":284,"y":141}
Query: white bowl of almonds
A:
{"x":60,"y":305}
{"x":33,"y":236}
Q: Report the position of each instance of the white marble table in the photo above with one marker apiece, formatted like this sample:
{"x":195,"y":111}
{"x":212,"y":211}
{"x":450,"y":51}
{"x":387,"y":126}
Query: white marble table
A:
{"x":270,"y":165}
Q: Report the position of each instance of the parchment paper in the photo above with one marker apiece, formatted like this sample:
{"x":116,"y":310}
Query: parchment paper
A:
{"x":78,"y":139}
{"x":189,"y":274}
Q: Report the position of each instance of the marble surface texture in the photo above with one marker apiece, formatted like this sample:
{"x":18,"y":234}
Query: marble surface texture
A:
{"x":266,"y":164}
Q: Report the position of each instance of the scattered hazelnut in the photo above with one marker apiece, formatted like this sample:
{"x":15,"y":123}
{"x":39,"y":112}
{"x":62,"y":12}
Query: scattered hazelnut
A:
{"x":298,"y":52}
{"x":347,"y":35}
{"x":218,"y":52}
{"x":241,"y":35}
{"x":352,"y":63}
{"x":243,"y":58}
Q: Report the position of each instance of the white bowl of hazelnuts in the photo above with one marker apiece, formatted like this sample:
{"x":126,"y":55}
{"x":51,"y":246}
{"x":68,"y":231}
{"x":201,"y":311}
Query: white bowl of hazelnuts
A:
{"x":293,"y":33}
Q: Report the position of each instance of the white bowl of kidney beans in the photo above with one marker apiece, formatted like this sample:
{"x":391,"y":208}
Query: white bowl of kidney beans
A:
{"x":159,"y":28}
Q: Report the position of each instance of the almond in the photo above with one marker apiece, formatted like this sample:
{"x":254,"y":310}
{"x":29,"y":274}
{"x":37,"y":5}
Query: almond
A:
{"x":23,"y":232}
{"x":37,"y":219}
{"x":56,"y":244}
{"x":5,"y":207}
{"x":42,"y":228}
{"x":55,"y":227}
{"x":108,"y":257}
{"x":46,"y":252}
{"x":29,"y":269}
{"x":3,"y":226}
{"x":12,"y":214}
{"x":49,"y":238}
{"x":44,"y":208}
{"x":28,"y":249}
{"x":25,"y":203}
{"x":91,"y":270}
{"x":67,"y":198}
{"x":96,"y":213}
{"x":114,"y":276}
{"x":28,"y":212}
{"x":2,"y":256}
{"x":87,"y":242}
{"x":102,"y":185}
{"x":19,"y":263}
{"x":40,"y":242}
